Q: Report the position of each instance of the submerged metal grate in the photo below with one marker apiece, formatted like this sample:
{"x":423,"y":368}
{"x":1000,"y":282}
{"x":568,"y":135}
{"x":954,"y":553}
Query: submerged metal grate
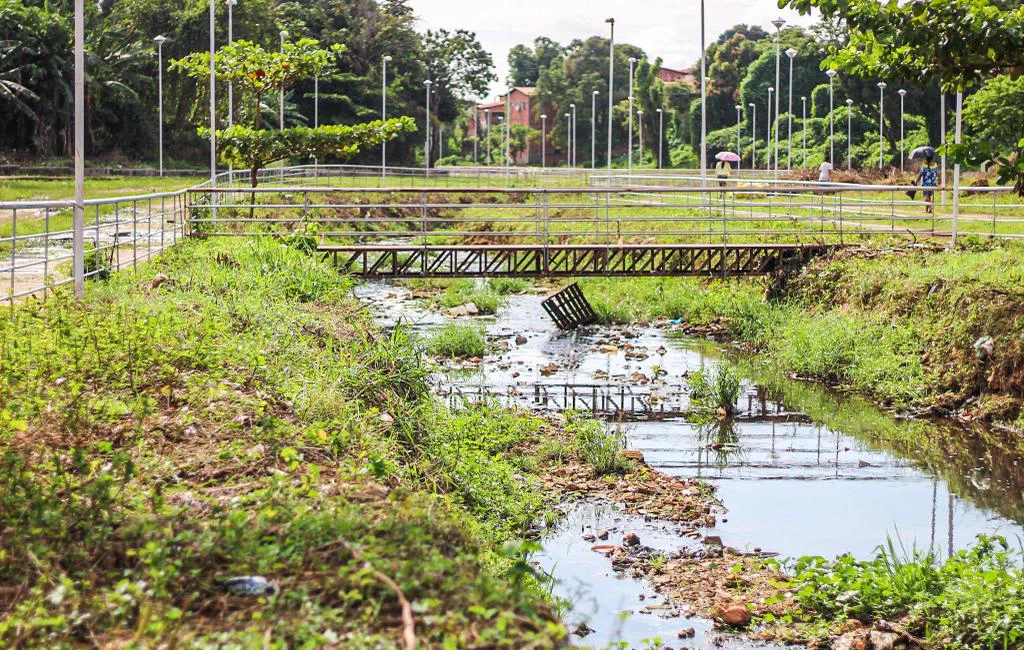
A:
{"x":569,"y":308}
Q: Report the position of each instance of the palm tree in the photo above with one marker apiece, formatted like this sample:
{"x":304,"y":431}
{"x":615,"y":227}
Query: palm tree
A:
{"x":12,"y":92}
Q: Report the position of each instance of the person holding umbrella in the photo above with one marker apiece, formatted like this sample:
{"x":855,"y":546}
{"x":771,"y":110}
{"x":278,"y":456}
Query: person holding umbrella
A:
{"x":928,"y":175}
{"x":723,"y":168}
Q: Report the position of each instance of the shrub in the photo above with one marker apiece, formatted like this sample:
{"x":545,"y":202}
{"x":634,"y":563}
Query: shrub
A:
{"x":457,"y":341}
{"x":597,"y":446}
{"x":712,"y":390}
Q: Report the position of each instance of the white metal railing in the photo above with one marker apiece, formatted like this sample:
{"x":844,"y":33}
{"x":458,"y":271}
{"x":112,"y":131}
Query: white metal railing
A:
{"x":35,"y":236}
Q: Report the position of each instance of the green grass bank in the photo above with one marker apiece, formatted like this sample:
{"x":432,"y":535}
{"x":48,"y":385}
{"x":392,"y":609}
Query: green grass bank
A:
{"x":229,"y":410}
{"x":917,"y":328}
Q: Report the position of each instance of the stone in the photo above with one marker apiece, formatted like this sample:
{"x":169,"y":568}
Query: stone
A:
{"x":520,"y":339}
{"x":608,"y":349}
{"x":633,"y":455}
{"x":468,"y":309}
{"x":688,"y":633}
{"x":631,"y":539}
{"x":734,"y":614}
{"x":604,"y":549}
{"x":603,"y":534}
{"x":158,"y":279}
{"x":856,"y":640}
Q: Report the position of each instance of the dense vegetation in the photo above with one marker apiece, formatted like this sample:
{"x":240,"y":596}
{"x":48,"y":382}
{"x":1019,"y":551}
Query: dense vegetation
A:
{"x":229,"y":411}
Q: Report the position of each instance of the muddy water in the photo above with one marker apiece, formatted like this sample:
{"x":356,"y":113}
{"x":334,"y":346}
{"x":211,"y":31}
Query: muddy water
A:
{"x":801,"y":471}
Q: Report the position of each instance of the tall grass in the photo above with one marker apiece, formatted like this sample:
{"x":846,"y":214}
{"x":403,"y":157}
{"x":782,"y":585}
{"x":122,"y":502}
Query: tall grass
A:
{"x":596,"y":445}
{"x":457,"y":341}
{"x":714,"y":389}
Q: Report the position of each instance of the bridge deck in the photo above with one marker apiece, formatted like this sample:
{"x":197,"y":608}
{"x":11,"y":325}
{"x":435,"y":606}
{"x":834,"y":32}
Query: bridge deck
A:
{"x":405,"y":261}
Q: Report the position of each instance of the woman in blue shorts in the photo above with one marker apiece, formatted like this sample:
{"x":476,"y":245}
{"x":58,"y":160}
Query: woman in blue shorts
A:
{"x":928,"y":177}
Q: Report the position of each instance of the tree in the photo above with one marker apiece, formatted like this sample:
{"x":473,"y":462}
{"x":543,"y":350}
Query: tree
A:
{"x":459,"y":67}
{"x":995,"y":113}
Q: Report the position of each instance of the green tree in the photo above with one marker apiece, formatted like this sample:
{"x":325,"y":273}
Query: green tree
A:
{"x":995,"y":113}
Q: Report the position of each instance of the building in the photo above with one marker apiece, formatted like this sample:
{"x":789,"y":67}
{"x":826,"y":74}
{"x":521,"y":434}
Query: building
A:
{"x":524,"y":110}
{"x":668,"y":75}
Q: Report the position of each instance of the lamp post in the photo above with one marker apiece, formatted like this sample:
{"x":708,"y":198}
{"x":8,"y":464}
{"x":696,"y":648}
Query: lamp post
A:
{"x":703,"y":101}
{"x":942,"y":139}
{"x":160,"y":40}
{"x":803,"y":125}
{"x":487,"y":131}
{"x":881,"y":124}
{"x":957,"y":139}
{"x":280,"y":107}
{"x":384,"y":116}
{"x":632,"y":63}
{"x":476,"y":137}
{"x":769,"y":138}
{"x":661,"y":135}
{"x":78,"y":218}
{"x":572,"y":136}
{"x":213,"y":105}
{"x":640,"y":119}
{"x":903,"y":95}
{"x":739,"y":131}
{"x":231,"y":39}
{"x":778,"y":22}
{"x":568,"y":139}
{"x":849,"y":135}
{"x":753,"y":136}
{"x":611,"y":91}
{"x":791,"y":53}
{"x":831,"y":118}
{"x":508,"y":132}
{"x":593,"y":130}
{"x":543,"y":141}
{"x":426,"y":128}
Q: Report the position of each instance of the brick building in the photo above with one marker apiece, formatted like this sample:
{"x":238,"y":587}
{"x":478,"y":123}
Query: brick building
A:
{"x":524,"y":111}
{"x":668,"y":75}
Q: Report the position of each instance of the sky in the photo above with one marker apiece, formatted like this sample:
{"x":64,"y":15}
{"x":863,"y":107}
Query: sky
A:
{"x":666,"y":28}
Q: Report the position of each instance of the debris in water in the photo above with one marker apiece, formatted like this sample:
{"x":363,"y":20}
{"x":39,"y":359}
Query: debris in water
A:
{"x":250,"y":586}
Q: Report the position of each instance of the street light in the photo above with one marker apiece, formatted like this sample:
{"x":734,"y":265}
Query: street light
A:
{"x":881,"y":124}
{"x":280,"y":116}
{"x":849,"y":135}
{"x":568,"y":139}
{"x":231,"y":39}
{"x":778,"y":22}
{"x":753,"y":136}
{"x":426,"y":146}
{"x":593,"y":130}
{"x":632,"y":63}
{"x":769,"y":138}
{"x":791,"y":53}
{"x":903,"y":95}
{"x":611,"y":91}
{"x":543,"y":141}
{"x":384,"y":115}
{"x":803,"y":125}
{"x":160,"y":40}
{"x":703,"y":101}
{"x":78,"y":218}
{"x":739,"y":127}
{"x":213,"y":106}
{"x":661,"y":134}
{"x":572,"y":137}
{"x":831,"y":118}
{"x":640,"y":119}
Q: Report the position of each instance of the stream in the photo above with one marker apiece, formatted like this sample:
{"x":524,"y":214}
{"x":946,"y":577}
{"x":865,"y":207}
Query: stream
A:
{"x":801,"y":470}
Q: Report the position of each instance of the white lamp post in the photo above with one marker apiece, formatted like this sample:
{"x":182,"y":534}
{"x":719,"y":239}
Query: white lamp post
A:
{"x":703,"y":101}
{"x":476,"y":136}
{"x":543,"y":141}
{"x":611,"y":91}
{"x":881,"y":124}
{"x":769,"y":138}
{"x":849,"y":135}
{"x":593,"y":130}
{"x":427,"y":129}
{"x":508,"y":131}
{"x":739,"y":131}
{"x":661,"y":134}
{"x":640,"y":119}
{"x":231,"y":39}
{"x":568,"y":140}
{"x":572,"y":135}
{"x":384,"y":115}
{"x":791,"y":53}
{"x":78,"y":219}
{"x":803,"y":125}
{"x":280,"y":108}
{"x":942,"y":139}
{"x":903,"y":95}
{"x":753,"y":136}
{"x":958,"y":139}
{"x":632,"y":63}
{"x":778,"y":22}
{"x":213,"y":105}
{"x":831,"y":119}
{"x":160,"y":40}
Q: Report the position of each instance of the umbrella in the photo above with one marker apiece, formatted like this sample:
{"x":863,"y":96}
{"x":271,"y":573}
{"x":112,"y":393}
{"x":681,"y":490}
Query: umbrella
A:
{"x":727,"y":156}
{"x":922,"y":152}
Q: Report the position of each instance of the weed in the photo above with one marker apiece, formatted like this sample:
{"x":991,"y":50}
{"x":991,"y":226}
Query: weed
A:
{"x":597,"y":446}
{"x":714,"y":390}
{"x":457,"y":341}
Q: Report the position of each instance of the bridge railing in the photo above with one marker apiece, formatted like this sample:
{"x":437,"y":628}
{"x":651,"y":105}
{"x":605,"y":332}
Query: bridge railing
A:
{"x":738,"y":212}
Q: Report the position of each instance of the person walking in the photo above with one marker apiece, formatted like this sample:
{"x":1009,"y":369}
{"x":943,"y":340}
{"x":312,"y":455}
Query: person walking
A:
{"x":928,"y":176}
{"x":825,"y":172}
{"x":723,"y":172}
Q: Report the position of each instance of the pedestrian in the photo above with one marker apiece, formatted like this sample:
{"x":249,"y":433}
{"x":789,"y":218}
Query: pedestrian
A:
{"x":825,"y":172}
{"x":928,"y":176}
{"x":723,"y":171}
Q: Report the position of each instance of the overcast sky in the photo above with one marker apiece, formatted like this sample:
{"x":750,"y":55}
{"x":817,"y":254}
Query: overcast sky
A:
{"x":666,"y":28}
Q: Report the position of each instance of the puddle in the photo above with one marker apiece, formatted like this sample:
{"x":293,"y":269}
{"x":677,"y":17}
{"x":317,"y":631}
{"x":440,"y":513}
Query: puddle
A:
{"x":802,"y":470}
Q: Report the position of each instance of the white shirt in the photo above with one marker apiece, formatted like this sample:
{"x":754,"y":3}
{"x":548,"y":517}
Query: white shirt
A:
{"x":826,"y":172}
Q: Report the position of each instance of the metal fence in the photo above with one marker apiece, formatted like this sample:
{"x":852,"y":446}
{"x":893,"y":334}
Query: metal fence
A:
{"x":367,"y":204}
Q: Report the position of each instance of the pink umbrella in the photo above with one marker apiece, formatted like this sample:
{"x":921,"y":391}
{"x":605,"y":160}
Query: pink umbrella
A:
{"x":727,"y":156}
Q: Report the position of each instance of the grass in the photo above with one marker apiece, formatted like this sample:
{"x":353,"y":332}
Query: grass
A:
{"x":246,"y":418}
{"x":457,"y":341}
{"x":99,"y":187}
{"x":712,"y":390}
{"x":972,"y":600}
{"x":488,"y":296}
{"x":596,"y":445}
